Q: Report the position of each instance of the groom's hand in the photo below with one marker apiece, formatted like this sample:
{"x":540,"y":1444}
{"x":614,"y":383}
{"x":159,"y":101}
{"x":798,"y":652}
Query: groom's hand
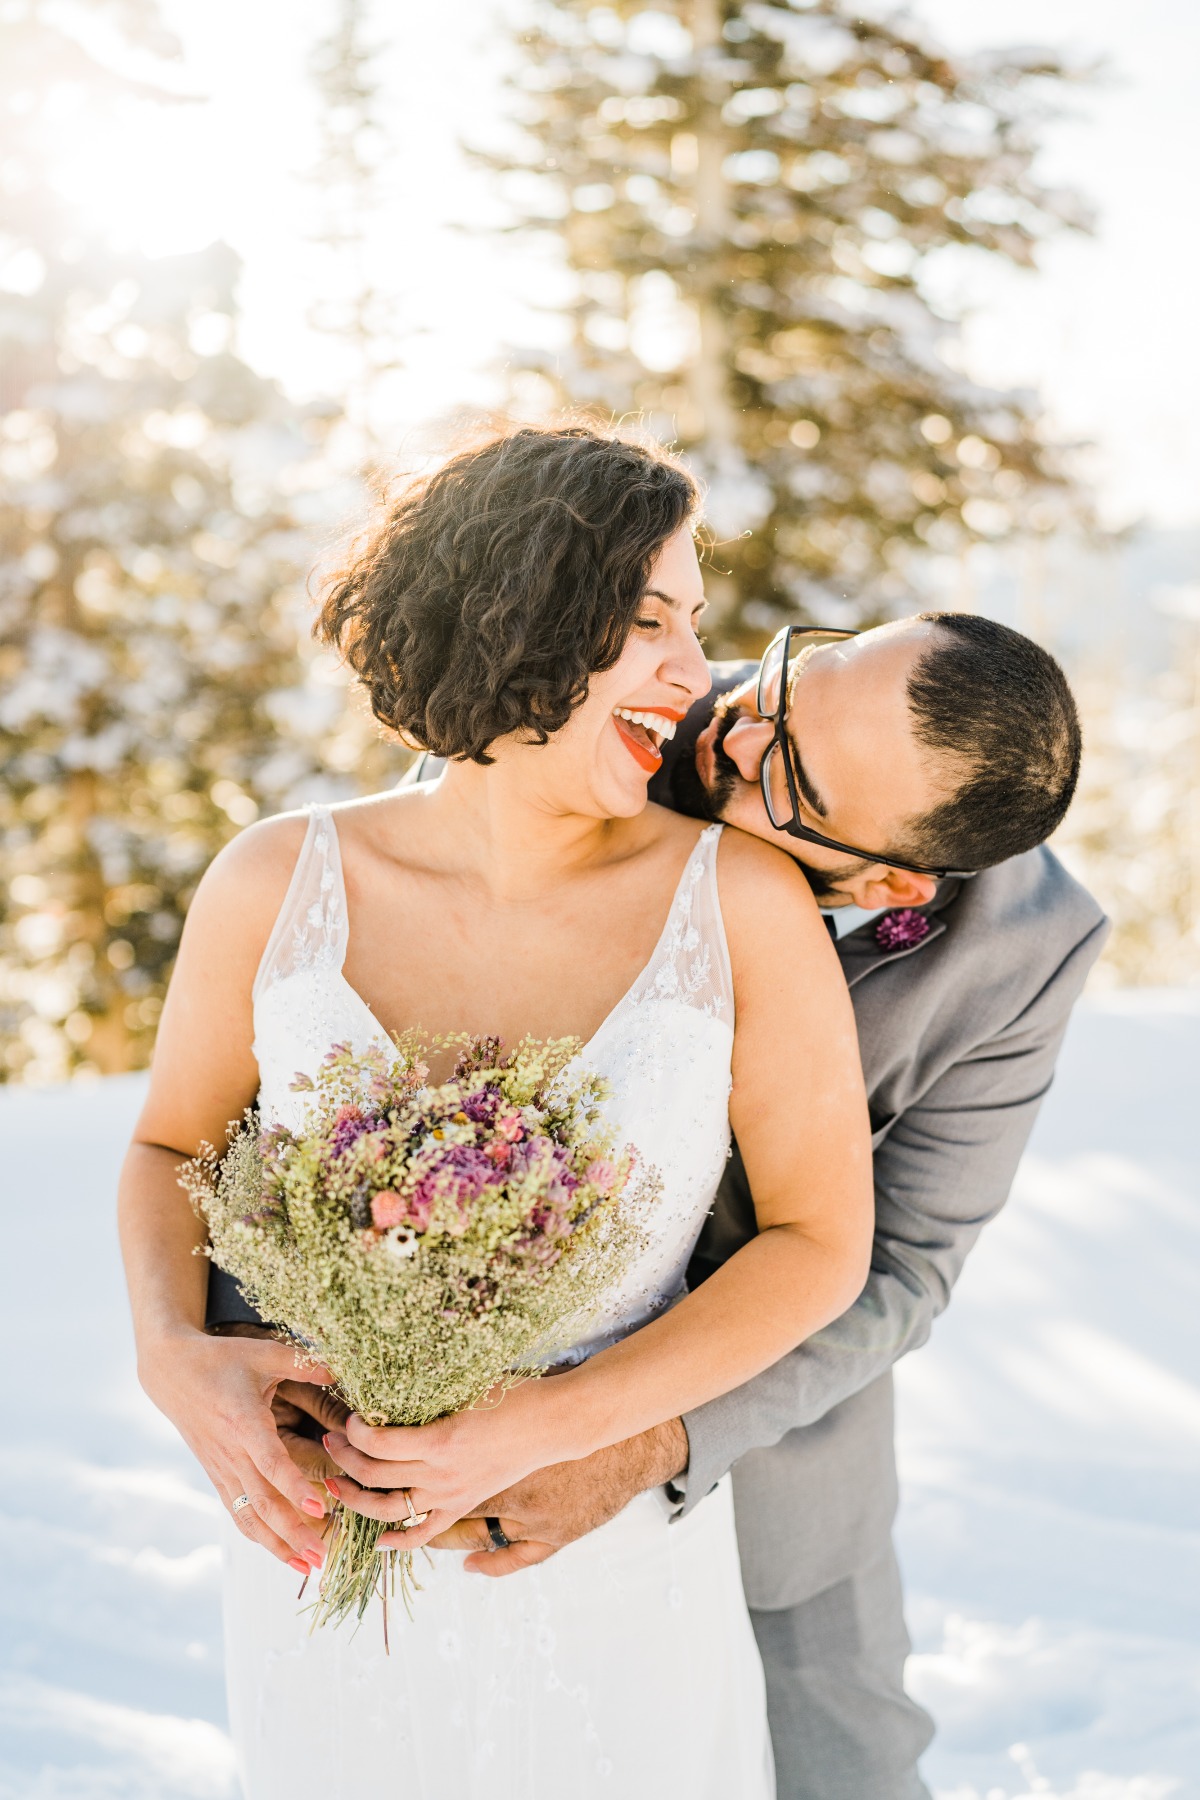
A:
{"x":556,"y":1505}
{"x":303,"y":1414}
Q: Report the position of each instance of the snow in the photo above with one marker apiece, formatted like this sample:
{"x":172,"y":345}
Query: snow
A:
{"x":1050,"y":1444}
{"x":1050,"y":1449}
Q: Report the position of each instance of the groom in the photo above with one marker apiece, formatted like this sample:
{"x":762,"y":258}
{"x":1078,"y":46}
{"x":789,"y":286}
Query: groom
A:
{"x":940,"y":743}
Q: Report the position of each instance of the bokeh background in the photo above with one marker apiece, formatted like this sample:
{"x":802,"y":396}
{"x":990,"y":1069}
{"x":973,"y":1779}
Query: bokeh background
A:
{"x":915,"y":293}
{"x":919,"y":310}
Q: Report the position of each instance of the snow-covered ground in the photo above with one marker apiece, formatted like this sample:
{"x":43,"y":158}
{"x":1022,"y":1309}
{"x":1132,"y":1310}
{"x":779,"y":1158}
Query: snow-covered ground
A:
{"x":1050,"y":1447}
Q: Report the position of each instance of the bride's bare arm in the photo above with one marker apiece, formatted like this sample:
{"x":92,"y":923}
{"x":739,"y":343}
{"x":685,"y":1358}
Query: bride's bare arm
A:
{"x":799,"y":1112}
{"x":217,"y":1391}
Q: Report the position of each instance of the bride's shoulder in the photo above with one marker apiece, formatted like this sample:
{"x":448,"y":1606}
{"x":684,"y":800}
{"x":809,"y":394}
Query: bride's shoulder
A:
{"x":242,"y":890}
{"x":258,"y":857}
{"x":257,"y":865}
{"x":767,"y":904}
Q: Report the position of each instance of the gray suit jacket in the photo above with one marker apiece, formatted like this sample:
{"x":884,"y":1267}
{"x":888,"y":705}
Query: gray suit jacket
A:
{"x":959,"y":1036}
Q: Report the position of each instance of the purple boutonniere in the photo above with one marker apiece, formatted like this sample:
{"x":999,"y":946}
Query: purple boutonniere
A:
{"x":902,"y":929}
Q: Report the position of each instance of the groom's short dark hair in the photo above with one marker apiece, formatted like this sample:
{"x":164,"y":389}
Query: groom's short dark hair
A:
{"x":999,"y":710}
{"x":491,"y":590}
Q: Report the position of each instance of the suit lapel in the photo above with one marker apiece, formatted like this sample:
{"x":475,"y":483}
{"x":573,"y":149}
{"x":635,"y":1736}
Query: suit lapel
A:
{"x":861,"y":953}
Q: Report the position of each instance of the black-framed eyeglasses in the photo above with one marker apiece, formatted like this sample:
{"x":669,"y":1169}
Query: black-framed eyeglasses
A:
{"x":777,"y":771}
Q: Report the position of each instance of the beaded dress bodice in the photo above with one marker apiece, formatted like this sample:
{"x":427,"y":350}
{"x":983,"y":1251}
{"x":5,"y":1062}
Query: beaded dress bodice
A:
{"x":665,"y":1048}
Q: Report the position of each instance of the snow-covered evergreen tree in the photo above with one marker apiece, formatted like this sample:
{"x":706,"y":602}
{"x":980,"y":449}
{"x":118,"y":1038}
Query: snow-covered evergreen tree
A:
{"x":752,"y":195}
{"x":157,"y":690}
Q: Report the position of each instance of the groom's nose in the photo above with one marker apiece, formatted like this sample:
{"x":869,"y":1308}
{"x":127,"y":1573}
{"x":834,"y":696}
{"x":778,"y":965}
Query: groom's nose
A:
{"x":745,"y":744}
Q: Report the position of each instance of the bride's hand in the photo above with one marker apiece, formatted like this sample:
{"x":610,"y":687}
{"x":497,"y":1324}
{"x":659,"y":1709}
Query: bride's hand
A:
{"x":218,"y":1391}
{"x":450,"y":1466}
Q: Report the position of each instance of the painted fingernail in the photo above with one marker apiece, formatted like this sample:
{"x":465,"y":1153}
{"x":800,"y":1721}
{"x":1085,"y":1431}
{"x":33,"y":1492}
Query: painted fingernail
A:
{"x":301,"y":1568}
{"x":315,"y":1557}
{"x":333,"y":1488}
{"x":313,"y":1507}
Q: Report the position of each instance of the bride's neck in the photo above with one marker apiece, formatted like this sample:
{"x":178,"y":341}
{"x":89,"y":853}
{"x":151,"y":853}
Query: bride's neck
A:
{"x":516,"y":839}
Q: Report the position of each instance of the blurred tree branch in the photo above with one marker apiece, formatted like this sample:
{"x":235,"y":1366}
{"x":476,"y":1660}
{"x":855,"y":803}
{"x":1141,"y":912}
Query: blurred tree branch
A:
{"x":157,"y":687}
{"x":752,"y":200}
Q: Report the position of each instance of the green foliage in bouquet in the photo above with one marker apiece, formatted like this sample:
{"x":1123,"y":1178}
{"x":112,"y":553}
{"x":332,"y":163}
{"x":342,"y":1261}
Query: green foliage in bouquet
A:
{"x":429,"y":1244}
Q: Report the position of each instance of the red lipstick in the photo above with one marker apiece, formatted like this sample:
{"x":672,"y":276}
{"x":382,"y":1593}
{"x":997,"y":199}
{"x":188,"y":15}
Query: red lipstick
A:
{"x":642,"y":753}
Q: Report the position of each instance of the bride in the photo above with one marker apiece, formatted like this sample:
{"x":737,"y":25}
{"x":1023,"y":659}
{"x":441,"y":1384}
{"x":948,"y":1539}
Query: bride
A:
{"x":530,"y":612}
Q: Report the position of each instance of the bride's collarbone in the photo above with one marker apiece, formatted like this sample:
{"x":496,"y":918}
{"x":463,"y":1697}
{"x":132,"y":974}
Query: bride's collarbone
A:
{"x":426,"y":902}
{"x":426,"y":951}
{"x":547,"y":985}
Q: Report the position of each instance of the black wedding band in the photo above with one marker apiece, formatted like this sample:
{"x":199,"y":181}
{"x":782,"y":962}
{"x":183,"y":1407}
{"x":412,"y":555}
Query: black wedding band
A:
{"x":496,"y":1532}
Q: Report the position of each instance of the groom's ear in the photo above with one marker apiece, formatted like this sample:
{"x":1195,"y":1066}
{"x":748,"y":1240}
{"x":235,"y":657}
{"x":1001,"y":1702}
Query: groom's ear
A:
{"x":878,"y":887}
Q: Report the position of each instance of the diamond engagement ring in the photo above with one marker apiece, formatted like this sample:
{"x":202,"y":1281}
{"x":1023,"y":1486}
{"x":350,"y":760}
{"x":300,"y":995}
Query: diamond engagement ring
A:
{"x":414,"y":1517}
{"x":242,"y":1500}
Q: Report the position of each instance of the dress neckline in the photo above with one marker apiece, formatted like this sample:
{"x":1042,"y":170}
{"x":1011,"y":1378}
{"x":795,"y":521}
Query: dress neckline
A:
{"x":709,"y":832}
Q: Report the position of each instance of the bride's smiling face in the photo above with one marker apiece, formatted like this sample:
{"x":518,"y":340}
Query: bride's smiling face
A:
{"x":601,"y":762}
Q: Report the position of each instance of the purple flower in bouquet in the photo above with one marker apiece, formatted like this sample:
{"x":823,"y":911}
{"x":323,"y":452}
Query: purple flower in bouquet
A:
{"x":351,"y":1124}
{"x":482,"y":1106}
{"x":460,"y":1174}
{"x":563,"y":1179}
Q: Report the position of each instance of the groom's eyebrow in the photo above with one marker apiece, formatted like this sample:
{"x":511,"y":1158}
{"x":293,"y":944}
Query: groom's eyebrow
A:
{"x":804,"y":781}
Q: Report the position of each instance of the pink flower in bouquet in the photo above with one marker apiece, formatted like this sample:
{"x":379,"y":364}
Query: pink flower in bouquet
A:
{"x":601,"y":1174}
{"x":548,"y":1222}
{"x":388,"y":1209}
{"x":511,"y":1126}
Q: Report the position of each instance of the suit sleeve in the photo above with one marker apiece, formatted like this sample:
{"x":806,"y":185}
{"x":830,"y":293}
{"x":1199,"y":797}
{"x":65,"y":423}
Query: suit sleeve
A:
{"x":943,"y":1171}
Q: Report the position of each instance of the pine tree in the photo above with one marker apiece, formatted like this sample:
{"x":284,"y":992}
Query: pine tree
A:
{"x":751,"y":199}
{"x":156,"y":686}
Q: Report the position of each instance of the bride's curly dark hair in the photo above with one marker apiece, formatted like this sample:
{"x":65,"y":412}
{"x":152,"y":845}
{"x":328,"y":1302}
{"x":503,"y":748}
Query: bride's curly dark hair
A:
{"x":489,"y":592}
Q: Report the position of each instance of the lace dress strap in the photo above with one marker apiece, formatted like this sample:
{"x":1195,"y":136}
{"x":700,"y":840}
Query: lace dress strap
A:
{"x":691,"y":964}
{"x":311,"y":930}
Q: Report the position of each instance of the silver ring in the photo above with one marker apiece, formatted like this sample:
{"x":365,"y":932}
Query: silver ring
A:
{"x":414,"y":1517}
{"x":242,"y":1500}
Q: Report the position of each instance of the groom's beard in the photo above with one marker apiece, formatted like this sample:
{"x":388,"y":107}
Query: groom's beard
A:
{"x":689,"y":793}
{"x":692,"y":797}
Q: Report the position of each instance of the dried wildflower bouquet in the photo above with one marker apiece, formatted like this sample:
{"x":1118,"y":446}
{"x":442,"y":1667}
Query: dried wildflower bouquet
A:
{"x":428,"y":1244}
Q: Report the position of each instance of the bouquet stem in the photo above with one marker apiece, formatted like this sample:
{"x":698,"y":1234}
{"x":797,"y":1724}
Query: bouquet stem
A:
{"x":356,"y":1571}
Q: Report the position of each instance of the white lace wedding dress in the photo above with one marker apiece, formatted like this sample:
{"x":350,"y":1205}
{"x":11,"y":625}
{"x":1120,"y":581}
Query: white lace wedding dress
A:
{"x":623,"y":1667}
